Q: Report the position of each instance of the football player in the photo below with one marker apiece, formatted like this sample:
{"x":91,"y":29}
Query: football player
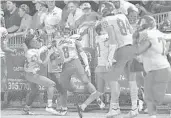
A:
{"x":71,"y":49}
{"x":136,"y":66}
{"x":120,"y":46}
{"x":4,"y":49}
{"x":31,"y":67}
{"x":54,"y":60}
{"x":152,"y":48}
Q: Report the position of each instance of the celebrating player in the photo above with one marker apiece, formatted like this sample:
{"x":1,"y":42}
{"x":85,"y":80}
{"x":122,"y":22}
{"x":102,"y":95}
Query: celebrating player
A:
{"x":31,"y":67}
{"x":152,"y":48}
{"x":137,"y":69}
{"x":120,"y":44}
{"x":71,"y":49}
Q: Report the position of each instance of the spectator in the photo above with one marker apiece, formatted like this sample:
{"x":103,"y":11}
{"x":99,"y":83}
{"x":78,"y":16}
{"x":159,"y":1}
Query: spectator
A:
{"x":12,"y":18}
{"x":159,"y":7}
{"x":88,"y":16}
{"x":74,"y":14}
{"x":151,"y":7}
{"x":85,"y":23}
{"x":2,"y":18}
{"x":65,"y":13}
{"x":40,"y":15}
{"x":165,"y":25}
{"x":53,"y":17}
{"x":144,"y":7}
{"x":26,"y":18}
{"x":123,"y":6}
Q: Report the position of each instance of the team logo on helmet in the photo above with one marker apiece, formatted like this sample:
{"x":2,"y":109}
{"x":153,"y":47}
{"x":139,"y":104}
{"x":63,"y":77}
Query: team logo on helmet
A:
{"x":106,"y":8}
{"x":146,"y":22}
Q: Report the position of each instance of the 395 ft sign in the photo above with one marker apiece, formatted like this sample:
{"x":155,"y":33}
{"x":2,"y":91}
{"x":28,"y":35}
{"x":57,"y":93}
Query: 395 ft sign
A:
{"x":19,"y":84}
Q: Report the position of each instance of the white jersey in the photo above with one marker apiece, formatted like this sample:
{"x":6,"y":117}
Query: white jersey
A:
{"x":154,"y":58}
{"x":69,"y":48}
{"x":121,"y":29}
{"x":102,"y":43}
{"x":33,"y":59}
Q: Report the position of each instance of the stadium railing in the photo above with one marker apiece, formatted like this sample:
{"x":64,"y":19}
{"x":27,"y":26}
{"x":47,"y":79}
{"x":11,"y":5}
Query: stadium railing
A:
{"x":160,"y":17}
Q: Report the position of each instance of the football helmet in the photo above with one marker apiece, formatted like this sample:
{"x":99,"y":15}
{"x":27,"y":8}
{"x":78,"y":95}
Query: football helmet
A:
{"x":106,"y":8}
{"x":146,"y":22}
{"x":132,"y":16}
{"x":66,"y":32}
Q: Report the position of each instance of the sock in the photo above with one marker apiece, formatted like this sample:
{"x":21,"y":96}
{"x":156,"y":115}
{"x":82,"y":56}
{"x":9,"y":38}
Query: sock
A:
{"x":49,"y":103}
{"x":115,"y":93}
{"x":90,"y":99}
{"x":134,"y":94}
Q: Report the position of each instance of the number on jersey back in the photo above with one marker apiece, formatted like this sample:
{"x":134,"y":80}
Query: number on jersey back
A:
{"x":120,"y":27}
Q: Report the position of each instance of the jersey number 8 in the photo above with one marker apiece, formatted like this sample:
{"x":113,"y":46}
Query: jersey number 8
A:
{"x":66,"y":52}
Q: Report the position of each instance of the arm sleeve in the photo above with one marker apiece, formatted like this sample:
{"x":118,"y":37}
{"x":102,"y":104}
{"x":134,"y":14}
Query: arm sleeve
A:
{"x":79,"y":46}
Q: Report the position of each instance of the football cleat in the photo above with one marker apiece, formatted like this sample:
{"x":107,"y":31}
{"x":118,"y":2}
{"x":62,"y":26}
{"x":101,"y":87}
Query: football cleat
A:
{"x":113,"y":113}
{"x":53,"y":111}
{"x":26,"y":111}
{"x":132,"y":114}
{"x":62,"y":111}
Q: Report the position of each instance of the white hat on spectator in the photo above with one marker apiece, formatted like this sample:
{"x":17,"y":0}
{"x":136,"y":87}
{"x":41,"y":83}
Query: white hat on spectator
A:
{"x":85,"y":5}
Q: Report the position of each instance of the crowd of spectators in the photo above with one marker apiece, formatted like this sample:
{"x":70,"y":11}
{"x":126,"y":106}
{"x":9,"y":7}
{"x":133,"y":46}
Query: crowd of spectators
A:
{"x":73,"y":15}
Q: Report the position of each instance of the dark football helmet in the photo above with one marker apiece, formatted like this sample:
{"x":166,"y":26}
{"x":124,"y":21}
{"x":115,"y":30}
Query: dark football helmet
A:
{"x":106,"y":8}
